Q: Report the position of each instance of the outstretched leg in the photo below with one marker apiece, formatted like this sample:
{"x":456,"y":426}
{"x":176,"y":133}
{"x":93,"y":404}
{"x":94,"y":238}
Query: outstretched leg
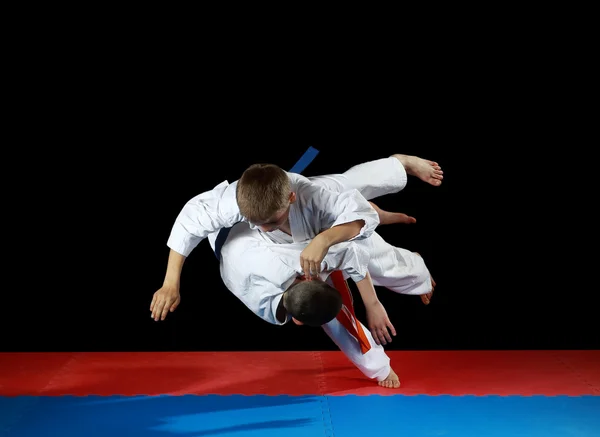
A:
{"x":375,"y":364}
{"x":395,"y":268}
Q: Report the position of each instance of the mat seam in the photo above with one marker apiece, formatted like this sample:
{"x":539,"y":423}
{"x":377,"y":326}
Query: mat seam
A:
{"x":321,"y":380}
{"x":324,"y":400}
{"x":62,"y":371}
{"x":577,"y":374}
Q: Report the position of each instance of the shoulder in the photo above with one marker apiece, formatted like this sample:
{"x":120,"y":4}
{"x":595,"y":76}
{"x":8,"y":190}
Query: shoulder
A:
{"x":307,"y":190}
{"x":299,"y":182}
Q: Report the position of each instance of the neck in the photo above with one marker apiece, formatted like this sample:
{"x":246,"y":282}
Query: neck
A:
{"x":281,"y":312}
{"x":285,"y":227}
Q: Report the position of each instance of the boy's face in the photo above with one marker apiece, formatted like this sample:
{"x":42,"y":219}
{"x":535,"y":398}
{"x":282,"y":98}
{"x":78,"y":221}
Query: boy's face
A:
{"x":279,"y":218}
{"x":276,"y":221}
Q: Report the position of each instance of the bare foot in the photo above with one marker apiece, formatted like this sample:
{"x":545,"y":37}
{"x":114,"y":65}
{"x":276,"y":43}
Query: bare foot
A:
{"x":427,"y":171}
{"x":426,"y":298}
{"x":392,"y":380}
{"x":388,"y":218}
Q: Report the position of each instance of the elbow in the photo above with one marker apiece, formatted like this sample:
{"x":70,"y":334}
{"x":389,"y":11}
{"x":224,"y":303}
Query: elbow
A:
{"x":358,"y":226}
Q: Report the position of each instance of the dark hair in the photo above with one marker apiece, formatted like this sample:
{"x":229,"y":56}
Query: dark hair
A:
{"x":313,"y":303}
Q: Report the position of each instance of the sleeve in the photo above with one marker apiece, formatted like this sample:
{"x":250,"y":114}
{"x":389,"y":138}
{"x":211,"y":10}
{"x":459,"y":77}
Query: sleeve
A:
{"x":202,"y":215}
{"x":335,"y":209}
{"x":349,"y":257}
{"x":269,"y":278}
{"x":269,"y":295}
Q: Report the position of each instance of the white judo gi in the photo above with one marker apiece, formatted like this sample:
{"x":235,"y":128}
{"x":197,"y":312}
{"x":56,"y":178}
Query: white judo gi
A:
{"x":316,"y":209}
{"x":258,"y":267}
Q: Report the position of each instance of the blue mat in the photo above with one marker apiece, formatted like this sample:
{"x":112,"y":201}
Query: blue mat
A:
{"x":306,"y":416}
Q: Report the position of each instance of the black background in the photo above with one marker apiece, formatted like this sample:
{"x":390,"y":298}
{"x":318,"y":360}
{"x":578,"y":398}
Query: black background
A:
{"x":104,"y":162}
{"x":88,"y":284}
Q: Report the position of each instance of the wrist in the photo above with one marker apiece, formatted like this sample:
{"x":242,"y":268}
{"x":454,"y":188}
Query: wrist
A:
{"x":323,"y":240}
{"x":171,"y":282}
{"x":371,"y":302}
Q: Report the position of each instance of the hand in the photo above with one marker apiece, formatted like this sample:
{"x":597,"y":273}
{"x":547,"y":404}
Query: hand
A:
{"x":166,"y":299}
{"x":379,"y":322}
{"x":311,"y":258}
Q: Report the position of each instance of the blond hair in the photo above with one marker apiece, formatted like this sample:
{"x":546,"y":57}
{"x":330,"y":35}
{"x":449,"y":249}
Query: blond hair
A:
{"x":262,"y":191}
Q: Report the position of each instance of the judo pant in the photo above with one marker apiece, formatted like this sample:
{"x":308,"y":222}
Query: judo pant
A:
{"x":394,"y":268}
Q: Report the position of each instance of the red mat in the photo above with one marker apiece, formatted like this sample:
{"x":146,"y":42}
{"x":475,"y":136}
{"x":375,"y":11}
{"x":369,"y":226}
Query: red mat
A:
{"x":549,"y":373}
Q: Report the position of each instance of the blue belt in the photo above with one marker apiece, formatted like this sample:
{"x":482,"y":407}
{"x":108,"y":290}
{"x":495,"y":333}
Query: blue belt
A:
{"x":298,"y":167}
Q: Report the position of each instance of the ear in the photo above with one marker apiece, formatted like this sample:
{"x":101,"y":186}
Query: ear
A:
{"x":297,"y":322}
{"x":292,"y":197}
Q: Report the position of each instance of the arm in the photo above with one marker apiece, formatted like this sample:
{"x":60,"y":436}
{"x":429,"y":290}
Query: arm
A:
{"x":340,"y":233}
{"x":174,"y":268}
{"x":377,"y":318}
{"x":202,"y":215}
{"x":313,"y":254}
{"x":336,"y":209}
{"x":167,"y":298}
{"x":353,"y":259}
{"x":367,"y":291}
{"x":342,"y":216}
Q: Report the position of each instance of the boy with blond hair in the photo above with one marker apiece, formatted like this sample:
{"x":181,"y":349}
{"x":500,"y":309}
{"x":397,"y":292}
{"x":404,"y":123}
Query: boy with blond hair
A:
{"x":264,"y":272}
{"x":289,"y":208}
